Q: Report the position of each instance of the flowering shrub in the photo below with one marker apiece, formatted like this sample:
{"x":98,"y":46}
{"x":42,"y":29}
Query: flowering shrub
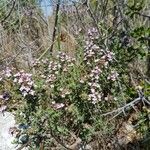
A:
{"x":67,"y":95}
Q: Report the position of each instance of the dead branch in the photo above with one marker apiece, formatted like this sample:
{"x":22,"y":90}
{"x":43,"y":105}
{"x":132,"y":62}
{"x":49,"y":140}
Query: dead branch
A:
{"x":121,"y":109}
{"x":55,"y":26}
{"x":128,"y":106}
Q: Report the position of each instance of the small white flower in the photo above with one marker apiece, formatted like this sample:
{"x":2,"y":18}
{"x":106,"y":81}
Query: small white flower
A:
{"x":113,"y":76}
{"x":58,"y":105}
{"x":3,"y":108}
{"x":24,"y":93}
{"x":20,"y":80}
{"x":1,"y":96}
{"x":96,"y":85}
{"x":43,"y":76}
{"x":81,"y":81}
{"x":89,"y":83}
{"x":52,"y":85}
{"x":63,"y":95}
{"x":22,"y":88}
{"x":31,"y":92}
{"x":93,"y":90}
{"x":96,"y":60}
{"x":99,"y":97}
{"x":53,"y":102}
{"x":15,"y":80}
{"x":30,"y":83}
{"x":97,"y":77}
{"x":8,"y":74}
{"x":17,"y":74}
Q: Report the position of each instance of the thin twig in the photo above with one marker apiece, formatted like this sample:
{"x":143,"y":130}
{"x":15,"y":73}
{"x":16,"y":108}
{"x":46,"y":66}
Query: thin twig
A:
{"x":93,"y":17}
{"x":8,"y":15}
{"x":138,"y":13}
{"x":55,"y":26}
{"x":83,"y":26}
{"x":128,"y":106}
{"x":143,"y":15}
{"x":121,"y":109}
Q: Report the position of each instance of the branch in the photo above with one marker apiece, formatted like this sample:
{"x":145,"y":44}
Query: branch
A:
{"x":92,"y":16}
{"x":13,"y":6}
{"x":128,"y":106}
{"x":143,"y":15}
{"x":121,"y":109}
{"x":78,"y":14}
{"x":138,"y":13}
{"x":55,"y":25}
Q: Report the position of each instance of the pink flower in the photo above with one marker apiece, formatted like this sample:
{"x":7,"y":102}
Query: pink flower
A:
{"x":24,"y":88}
{"x":110,"y":56}
{"x":24,"y":93}
{"x":93,"y":90}
{"x":20,"y":80}
{"x":17,"y":74}
{"x":30,"y":83}
{"x":8,"y":72}
{"x":113,"y":76}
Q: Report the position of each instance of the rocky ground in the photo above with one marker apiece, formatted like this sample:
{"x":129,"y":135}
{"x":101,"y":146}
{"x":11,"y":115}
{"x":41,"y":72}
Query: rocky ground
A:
{"x":6,"y":138}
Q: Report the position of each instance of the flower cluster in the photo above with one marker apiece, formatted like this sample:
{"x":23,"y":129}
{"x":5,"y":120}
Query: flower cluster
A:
{"x":91,"y":49}
{"x":93,"y":52}
{"x":95,"y":94}
{"x":100,"y":59}
{"x":113,"y":76}
{"x":64,"y":92}
{"x":108,"y":56}
{"x":35,"y":63}
{"x":6,"y":73}
{"x":25,"y":81}
{"x":54,"y":67}
{"x":52,"y":72}
{"x":65,"y":59}
{"x":93,"y":34}
{"x":95,"y":73}
{"x":57,"y":105}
